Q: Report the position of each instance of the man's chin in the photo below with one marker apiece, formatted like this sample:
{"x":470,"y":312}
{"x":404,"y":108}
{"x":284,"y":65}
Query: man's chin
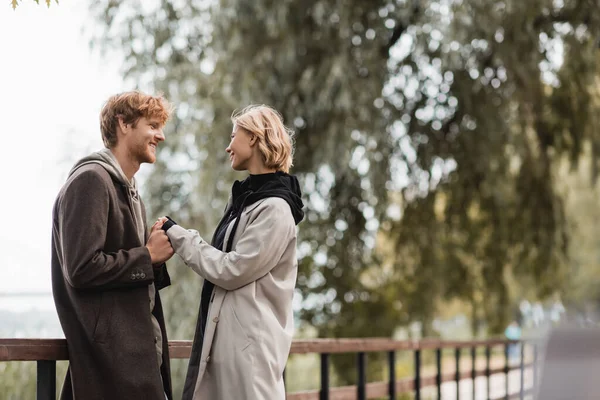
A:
{"x":148,"y":159}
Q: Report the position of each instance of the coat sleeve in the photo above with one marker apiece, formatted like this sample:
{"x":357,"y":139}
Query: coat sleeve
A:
{"x":161,"y":276}
{"x":83,"y":224}
{"x":257,"y":251}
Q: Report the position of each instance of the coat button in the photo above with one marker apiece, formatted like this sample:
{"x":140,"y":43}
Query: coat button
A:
{"x":208,"y":359}
{"x":143,"y":275}
{"x":216,"y":319}
{"x":132,"y":276}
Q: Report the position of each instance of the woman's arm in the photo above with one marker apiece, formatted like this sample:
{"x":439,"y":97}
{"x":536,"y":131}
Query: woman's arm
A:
{"x":257,"y":251}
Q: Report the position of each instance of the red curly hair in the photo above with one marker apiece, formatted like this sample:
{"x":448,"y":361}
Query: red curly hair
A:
{"x":130,"y":107}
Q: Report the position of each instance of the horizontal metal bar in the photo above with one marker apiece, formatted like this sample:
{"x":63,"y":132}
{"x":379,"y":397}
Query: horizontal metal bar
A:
{"x":380,"y":389}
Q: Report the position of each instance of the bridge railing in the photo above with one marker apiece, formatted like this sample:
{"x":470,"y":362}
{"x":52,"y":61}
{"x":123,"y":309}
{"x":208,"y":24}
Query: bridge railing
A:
{"x":47,"y":351}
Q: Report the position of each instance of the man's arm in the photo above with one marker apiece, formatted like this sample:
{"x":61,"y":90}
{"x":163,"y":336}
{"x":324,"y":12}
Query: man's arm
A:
{"x":161,"y":275}
{"x":83,"y":222}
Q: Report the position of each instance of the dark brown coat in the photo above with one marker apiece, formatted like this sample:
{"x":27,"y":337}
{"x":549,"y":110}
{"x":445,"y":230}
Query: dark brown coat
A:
{"x":100,"y":278}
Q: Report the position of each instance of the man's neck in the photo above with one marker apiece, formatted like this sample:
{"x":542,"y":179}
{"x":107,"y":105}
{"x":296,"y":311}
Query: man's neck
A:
{"x":127,"y":163}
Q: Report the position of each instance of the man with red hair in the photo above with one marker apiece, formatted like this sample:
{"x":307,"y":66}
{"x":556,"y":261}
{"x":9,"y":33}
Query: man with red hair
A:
{"x":106,"y":268}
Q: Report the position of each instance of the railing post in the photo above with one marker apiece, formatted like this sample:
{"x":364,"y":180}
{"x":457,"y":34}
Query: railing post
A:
{"x":362,"y":377}
{"x":457,"y":372}
{"x":46,"y":380}
{"x":522,"y":370}
{"x":506,"y":370}
{"x":392,"y":368}
{"x":438,"y":376}
{"x":324,"y":394}
{"x":473,"y":367}
{"x":417,"y":374}
{"x":535,"y":367}
{"x":487,"y":370}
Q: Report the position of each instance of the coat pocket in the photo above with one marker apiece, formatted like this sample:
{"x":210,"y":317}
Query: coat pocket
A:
{"x":244,"y":341}
{"x":103,"y":319}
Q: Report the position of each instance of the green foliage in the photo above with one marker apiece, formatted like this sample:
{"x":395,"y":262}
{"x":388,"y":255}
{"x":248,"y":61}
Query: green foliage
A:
{"x":15,"y":3}
{"x":19,"y":379}
{"x":428,"y":138}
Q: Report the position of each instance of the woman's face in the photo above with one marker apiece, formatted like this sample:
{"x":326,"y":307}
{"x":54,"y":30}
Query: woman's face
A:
{"x":240,"y":148}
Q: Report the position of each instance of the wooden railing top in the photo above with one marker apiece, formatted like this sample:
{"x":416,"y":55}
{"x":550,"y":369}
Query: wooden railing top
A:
{"x":56,"y":349}
{"x":383,"y":344}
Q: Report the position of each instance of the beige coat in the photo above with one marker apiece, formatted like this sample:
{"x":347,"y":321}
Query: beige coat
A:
{"x":250,"y":320}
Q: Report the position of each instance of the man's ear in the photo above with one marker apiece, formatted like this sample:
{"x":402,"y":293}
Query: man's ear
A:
{"x":122,"y":125}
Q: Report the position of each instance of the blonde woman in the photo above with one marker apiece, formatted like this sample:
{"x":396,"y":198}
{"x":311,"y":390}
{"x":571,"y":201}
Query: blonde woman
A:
{"x":245,"y":326}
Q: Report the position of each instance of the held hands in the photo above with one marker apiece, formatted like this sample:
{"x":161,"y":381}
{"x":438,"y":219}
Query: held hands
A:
{"x":159,"y":223}
{"x":158,"y":243}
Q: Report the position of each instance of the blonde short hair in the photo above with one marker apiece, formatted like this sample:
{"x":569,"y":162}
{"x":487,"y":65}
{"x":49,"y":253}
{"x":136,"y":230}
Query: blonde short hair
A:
{"x":275,"y":140}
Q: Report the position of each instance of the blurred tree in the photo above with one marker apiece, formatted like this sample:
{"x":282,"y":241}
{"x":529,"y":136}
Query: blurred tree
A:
{"x":428,"y":135}
{"x":581,"y":293}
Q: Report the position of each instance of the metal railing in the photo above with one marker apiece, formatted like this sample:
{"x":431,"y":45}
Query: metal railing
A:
{"x":47,"y":351}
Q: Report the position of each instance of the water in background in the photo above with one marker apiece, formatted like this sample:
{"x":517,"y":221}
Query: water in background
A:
{"x":24,"y":315}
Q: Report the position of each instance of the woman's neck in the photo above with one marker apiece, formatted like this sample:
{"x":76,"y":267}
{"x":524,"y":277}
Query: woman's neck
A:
{"x":260,"y":169}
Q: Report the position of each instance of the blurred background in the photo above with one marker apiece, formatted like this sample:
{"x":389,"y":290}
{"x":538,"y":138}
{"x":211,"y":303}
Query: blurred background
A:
{"x":449,"y":153}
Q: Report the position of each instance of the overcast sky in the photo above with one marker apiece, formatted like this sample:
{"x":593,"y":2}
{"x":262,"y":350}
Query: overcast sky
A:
{"x":51,"y":90}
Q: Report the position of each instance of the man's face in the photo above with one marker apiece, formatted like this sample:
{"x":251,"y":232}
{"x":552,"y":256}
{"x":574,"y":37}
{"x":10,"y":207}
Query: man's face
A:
{"x":143,"y":140}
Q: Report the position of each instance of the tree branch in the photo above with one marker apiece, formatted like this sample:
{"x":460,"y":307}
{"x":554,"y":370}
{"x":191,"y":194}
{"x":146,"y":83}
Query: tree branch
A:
{"x":396,"y":34}
{"x":570,"y":15}
{"x":401,"y":28}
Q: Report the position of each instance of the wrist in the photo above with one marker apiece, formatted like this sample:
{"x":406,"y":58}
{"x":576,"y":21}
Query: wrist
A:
{"x":151,"y":254}
{"x":169,"y":223}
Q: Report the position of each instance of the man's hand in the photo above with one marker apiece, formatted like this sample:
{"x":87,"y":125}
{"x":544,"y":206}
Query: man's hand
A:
{"x":159,"y":223}
{"x":159,"y":246}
